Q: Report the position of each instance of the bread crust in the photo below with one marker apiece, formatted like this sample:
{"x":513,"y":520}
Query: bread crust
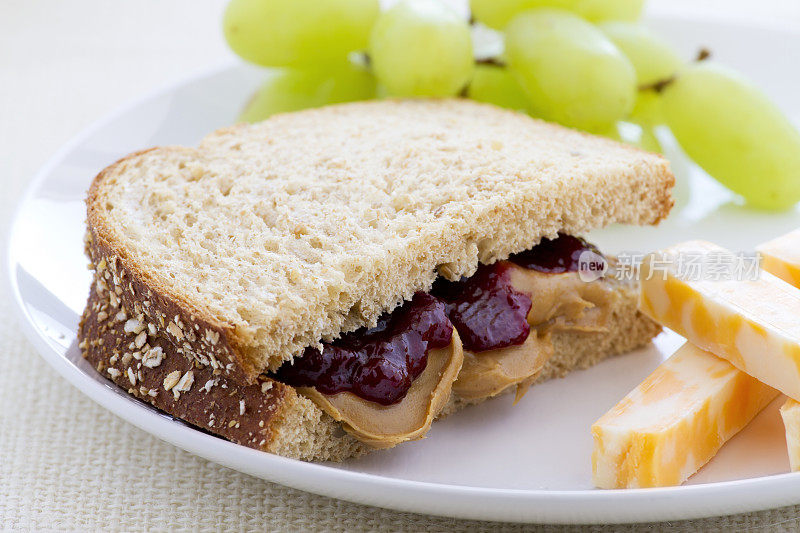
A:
{"x":639,"y":192}
{"x":115,"y":354}
{"x":267,"y":415}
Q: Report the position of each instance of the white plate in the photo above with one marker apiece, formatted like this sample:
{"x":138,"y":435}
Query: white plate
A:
{"x":494,"y":461}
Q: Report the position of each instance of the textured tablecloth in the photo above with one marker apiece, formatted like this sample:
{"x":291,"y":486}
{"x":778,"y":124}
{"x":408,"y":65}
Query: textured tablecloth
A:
{"x":66,"y":463}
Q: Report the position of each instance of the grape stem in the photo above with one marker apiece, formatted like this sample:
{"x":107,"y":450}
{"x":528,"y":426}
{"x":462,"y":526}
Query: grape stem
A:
{"x":660,"y":85}
{"x":491,"y":61}
{"x":703,"y":54}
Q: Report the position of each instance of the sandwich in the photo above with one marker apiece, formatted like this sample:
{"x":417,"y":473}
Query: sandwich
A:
{"x":331,"y":281}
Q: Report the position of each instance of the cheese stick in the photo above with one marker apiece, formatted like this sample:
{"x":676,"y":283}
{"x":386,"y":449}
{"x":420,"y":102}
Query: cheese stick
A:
{"x":780,"y":257}
{"x":675,"y":421}
{"x":753,"y":323}
{"x":790,"y":412}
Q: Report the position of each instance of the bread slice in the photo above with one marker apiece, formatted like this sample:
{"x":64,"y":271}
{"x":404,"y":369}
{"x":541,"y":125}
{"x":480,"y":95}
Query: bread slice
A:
{"x":269,"y":238}
{"x":268,"y":415}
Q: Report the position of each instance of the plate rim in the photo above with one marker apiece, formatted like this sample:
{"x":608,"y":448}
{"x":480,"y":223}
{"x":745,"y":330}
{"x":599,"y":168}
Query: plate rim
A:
{"x":441,"y":499}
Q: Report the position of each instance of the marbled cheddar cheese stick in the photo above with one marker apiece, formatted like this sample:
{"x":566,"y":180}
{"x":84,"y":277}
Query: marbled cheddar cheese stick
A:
{"x":674,"y":421}
{"x":790,"y":412}
{"x":753,"y":323}
{"x":781,"y":257}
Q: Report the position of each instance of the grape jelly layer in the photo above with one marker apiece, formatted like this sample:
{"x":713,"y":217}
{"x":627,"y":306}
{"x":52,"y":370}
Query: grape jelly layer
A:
{"x":554,"y":256}
{"x":377,"y":364}
{"x":381,"y":363}
{"x":486,"y":310}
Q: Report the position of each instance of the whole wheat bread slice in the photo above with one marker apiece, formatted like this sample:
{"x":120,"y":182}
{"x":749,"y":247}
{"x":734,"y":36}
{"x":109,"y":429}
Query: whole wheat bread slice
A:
{"x":269,"y":415}
{"x":269,"y":238}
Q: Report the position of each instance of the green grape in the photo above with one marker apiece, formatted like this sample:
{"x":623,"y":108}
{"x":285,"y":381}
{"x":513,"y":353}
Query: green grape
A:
{"x":601,"y":10}
{"x":421,"y":48}
{"x":639,"y":135}
{"x":612,"y":132}
{"x":495,"y":85}
{"x":731,"y":129}
{"x":648,"y":108}
{"x":634,"y":134}
{"x":278,"y":33}
{"x":652,"y":57}
{"x":648,"y":140}
{"x":570,"y":70}
{"x":295,"y":89}
{"x":498,"y":13}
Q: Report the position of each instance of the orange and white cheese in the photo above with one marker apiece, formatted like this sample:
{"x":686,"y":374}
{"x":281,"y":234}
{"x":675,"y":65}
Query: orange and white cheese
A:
{"x":753,"y":323}
{"x":790,"y":412}
{"x":674,"y":421}
{"x":781,"y":257}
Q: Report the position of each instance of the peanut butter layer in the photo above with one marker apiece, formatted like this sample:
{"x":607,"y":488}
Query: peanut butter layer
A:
{"x":564,"y":301}
{"x":560,"y":302}
{"x":488,"y":373}
{"x":387,"y":426}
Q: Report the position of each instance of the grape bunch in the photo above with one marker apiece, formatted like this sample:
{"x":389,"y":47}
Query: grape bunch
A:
{"x":586,"y":64}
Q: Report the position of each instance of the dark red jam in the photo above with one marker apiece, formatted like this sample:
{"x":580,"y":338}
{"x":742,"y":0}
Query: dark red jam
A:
{"x":554,"y":256}
{"x":485,"y":309}
{"x":377,"y":364}
{"x":381,"y":363}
